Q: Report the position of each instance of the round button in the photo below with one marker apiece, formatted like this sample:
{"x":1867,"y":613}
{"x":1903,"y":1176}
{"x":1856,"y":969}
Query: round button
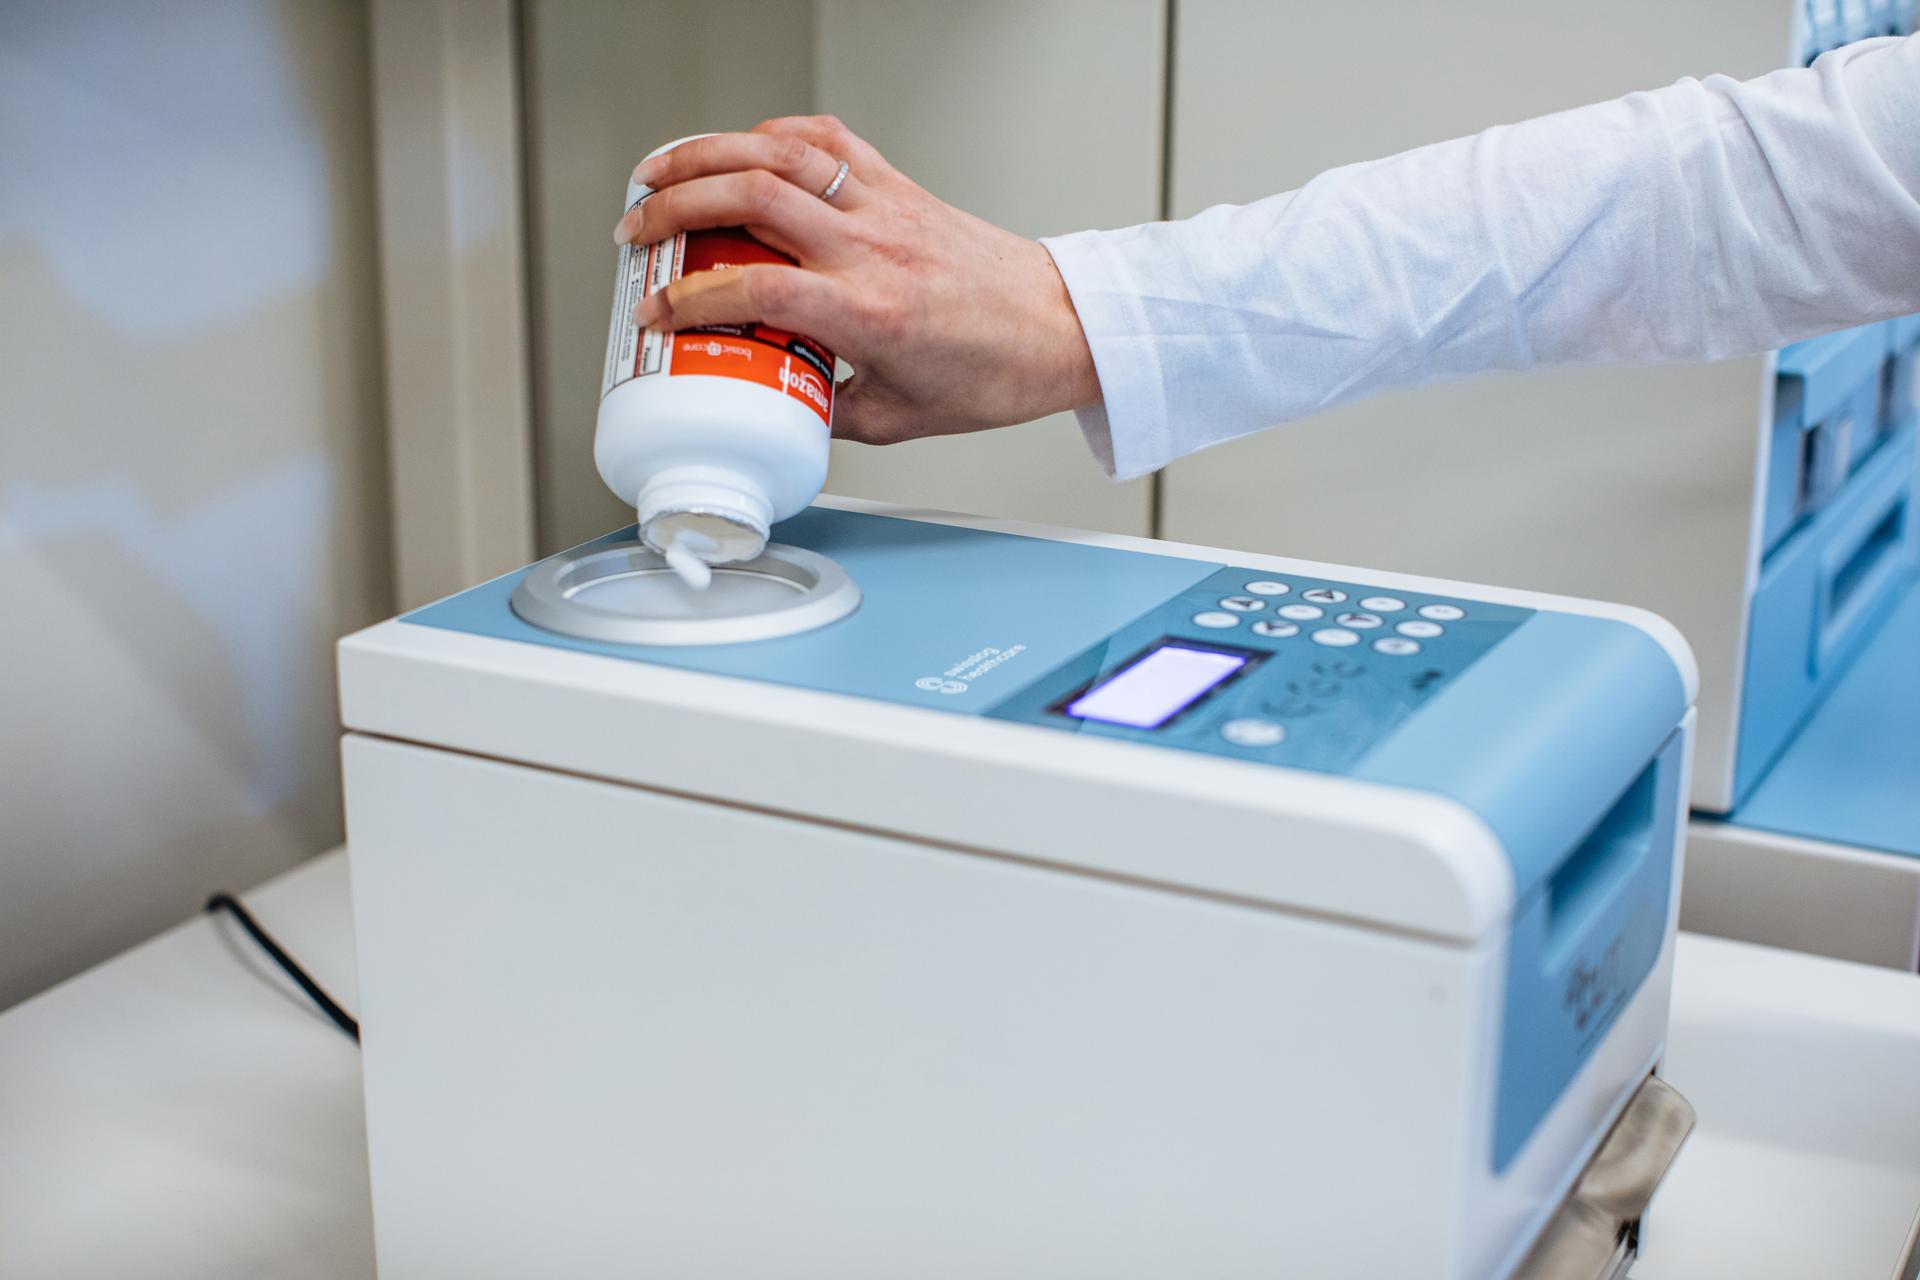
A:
{"x":1396,"y":646}
{"x":1253,"y":733}
{"x":1383,"y":604}
{"x":1242,"y":604}
{"x":1335,"y":638}
{"x":1275,"y":630}
{"x":1421,"y":630}
{"x":1215,"y":619}
{"x":1268,"y":587}
{"x":1301,"y":612}
{"x":1324,"y":595}
{"x":1359,"y":621}
{"x":1442,"y":612}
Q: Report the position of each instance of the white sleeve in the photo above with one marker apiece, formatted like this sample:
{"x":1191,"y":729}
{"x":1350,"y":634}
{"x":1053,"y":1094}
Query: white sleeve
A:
{"x":1700,"y":221}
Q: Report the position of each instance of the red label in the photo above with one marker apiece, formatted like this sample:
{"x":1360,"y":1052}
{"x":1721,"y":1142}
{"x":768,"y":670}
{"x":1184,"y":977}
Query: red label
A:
{"x":790,"y":363}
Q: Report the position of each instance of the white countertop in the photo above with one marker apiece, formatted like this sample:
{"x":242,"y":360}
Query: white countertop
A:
{"x":181,"y":1111}
{"x":1805,"y":1073}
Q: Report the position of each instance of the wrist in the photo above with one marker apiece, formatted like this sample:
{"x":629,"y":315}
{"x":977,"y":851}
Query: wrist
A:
{"x":1127,"y":425}
{"x":1071,"y":380}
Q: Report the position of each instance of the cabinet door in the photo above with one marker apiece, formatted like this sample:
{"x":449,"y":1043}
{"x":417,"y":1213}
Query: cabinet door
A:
{"x":1631,"y":484}
{"x":1043,"y":118}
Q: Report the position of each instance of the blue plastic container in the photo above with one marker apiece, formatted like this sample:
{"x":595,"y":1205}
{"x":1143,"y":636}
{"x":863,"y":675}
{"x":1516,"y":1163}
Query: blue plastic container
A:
{"x":1827,"y":416}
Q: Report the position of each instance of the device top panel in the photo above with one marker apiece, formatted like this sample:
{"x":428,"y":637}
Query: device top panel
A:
{"x":1534,"y":720}
{"x":1192,"y":655}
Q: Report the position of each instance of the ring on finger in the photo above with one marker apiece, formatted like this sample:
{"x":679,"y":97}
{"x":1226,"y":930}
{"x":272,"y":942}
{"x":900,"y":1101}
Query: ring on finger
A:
{"x":839,"y":180}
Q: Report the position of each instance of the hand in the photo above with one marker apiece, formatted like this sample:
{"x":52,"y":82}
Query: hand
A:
{"x":950,"y":323}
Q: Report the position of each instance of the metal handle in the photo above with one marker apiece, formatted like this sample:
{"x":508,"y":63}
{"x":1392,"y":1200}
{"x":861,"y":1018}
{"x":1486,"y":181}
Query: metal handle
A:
{"x":1595,"y":1234}
{"x":1856,"y":565}
{"x":1908,"y":1268}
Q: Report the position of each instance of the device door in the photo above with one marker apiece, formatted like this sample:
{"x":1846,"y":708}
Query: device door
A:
{"x":610,"y":1031}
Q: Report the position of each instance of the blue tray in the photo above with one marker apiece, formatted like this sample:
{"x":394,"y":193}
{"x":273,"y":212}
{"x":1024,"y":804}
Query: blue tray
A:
{"x":1851,"y":776}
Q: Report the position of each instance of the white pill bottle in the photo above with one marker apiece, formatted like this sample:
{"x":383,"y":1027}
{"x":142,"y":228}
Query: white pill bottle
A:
{"x":715,"y":433}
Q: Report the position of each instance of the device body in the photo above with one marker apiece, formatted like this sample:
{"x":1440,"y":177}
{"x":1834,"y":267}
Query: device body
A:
{"x":910,"y":946}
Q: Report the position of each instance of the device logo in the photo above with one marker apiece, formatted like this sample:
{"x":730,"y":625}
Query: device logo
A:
{"x":940,"y":684}
{"x":1593,"y":985}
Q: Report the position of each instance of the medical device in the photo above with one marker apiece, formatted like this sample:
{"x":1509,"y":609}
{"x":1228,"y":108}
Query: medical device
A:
{"x":940,"y":898}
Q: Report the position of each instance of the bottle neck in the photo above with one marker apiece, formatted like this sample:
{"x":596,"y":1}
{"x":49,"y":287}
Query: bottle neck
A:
{"x":727,"y":507}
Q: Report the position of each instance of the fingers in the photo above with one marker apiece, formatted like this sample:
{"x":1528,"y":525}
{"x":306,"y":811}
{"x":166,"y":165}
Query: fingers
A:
{"x":784,"y":297}
{"x":829,"y":135}
{"x":785,"y":155}
{"x":798,"y":224}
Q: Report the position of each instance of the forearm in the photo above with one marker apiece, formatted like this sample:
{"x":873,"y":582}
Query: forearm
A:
{"x":1699,"y":221}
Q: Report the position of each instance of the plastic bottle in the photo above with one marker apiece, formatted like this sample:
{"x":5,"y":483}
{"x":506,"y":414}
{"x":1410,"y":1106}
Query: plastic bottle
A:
{"x":716,"y":433}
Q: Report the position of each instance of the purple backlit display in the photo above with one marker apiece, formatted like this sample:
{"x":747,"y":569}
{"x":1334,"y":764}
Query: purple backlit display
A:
{"x":1156,"y":687}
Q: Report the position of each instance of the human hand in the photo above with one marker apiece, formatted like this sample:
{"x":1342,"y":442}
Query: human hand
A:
{"x":950,"y":323}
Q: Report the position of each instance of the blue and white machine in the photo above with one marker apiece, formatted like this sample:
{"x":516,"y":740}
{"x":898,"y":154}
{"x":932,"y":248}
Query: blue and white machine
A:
{"x":1045,"y":904}
{"x":1839,"y":538}
{"x":1822,"y":847}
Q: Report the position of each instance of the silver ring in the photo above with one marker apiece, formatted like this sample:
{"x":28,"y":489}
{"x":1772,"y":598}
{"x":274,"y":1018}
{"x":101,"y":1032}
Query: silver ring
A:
{"x":557,"y":594}
{"x":839,"y":180}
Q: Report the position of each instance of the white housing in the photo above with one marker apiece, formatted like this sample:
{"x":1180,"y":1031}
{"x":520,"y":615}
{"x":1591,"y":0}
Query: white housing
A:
{"x":667,"y":973}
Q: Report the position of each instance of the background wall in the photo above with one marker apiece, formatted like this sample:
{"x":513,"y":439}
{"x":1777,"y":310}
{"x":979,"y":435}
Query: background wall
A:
{"x":192,"y":503}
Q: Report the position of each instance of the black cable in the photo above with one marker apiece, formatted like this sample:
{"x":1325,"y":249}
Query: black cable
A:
{"x":315,"y":992}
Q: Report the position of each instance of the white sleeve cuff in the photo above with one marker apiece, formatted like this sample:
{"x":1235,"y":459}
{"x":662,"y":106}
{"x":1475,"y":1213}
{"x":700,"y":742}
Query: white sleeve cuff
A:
{"x":1127,"y":430}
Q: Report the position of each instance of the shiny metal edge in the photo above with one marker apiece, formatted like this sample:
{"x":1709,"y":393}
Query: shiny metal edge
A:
{"x":1595,"y":1233}
{"x":544,"y":597}
{"x":1908,"y":1267}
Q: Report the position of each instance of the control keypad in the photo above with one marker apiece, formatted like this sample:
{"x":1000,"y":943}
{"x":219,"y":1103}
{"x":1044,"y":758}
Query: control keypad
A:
{"x":1332,"y":667}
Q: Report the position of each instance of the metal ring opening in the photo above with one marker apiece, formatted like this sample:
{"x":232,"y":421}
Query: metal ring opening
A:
{"x":781,"y":592}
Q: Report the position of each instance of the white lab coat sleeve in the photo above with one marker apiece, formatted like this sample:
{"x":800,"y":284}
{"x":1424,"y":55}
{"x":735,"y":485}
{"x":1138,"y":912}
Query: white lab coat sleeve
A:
{"x":1704,"y":220}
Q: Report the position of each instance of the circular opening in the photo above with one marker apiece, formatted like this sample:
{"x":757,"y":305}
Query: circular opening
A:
{"x":625,"y":593}
{"x":660,"y":593}
{"x":733,"y":540}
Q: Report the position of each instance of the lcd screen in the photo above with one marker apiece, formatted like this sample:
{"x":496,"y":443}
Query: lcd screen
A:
{"x":1156,"y":687}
